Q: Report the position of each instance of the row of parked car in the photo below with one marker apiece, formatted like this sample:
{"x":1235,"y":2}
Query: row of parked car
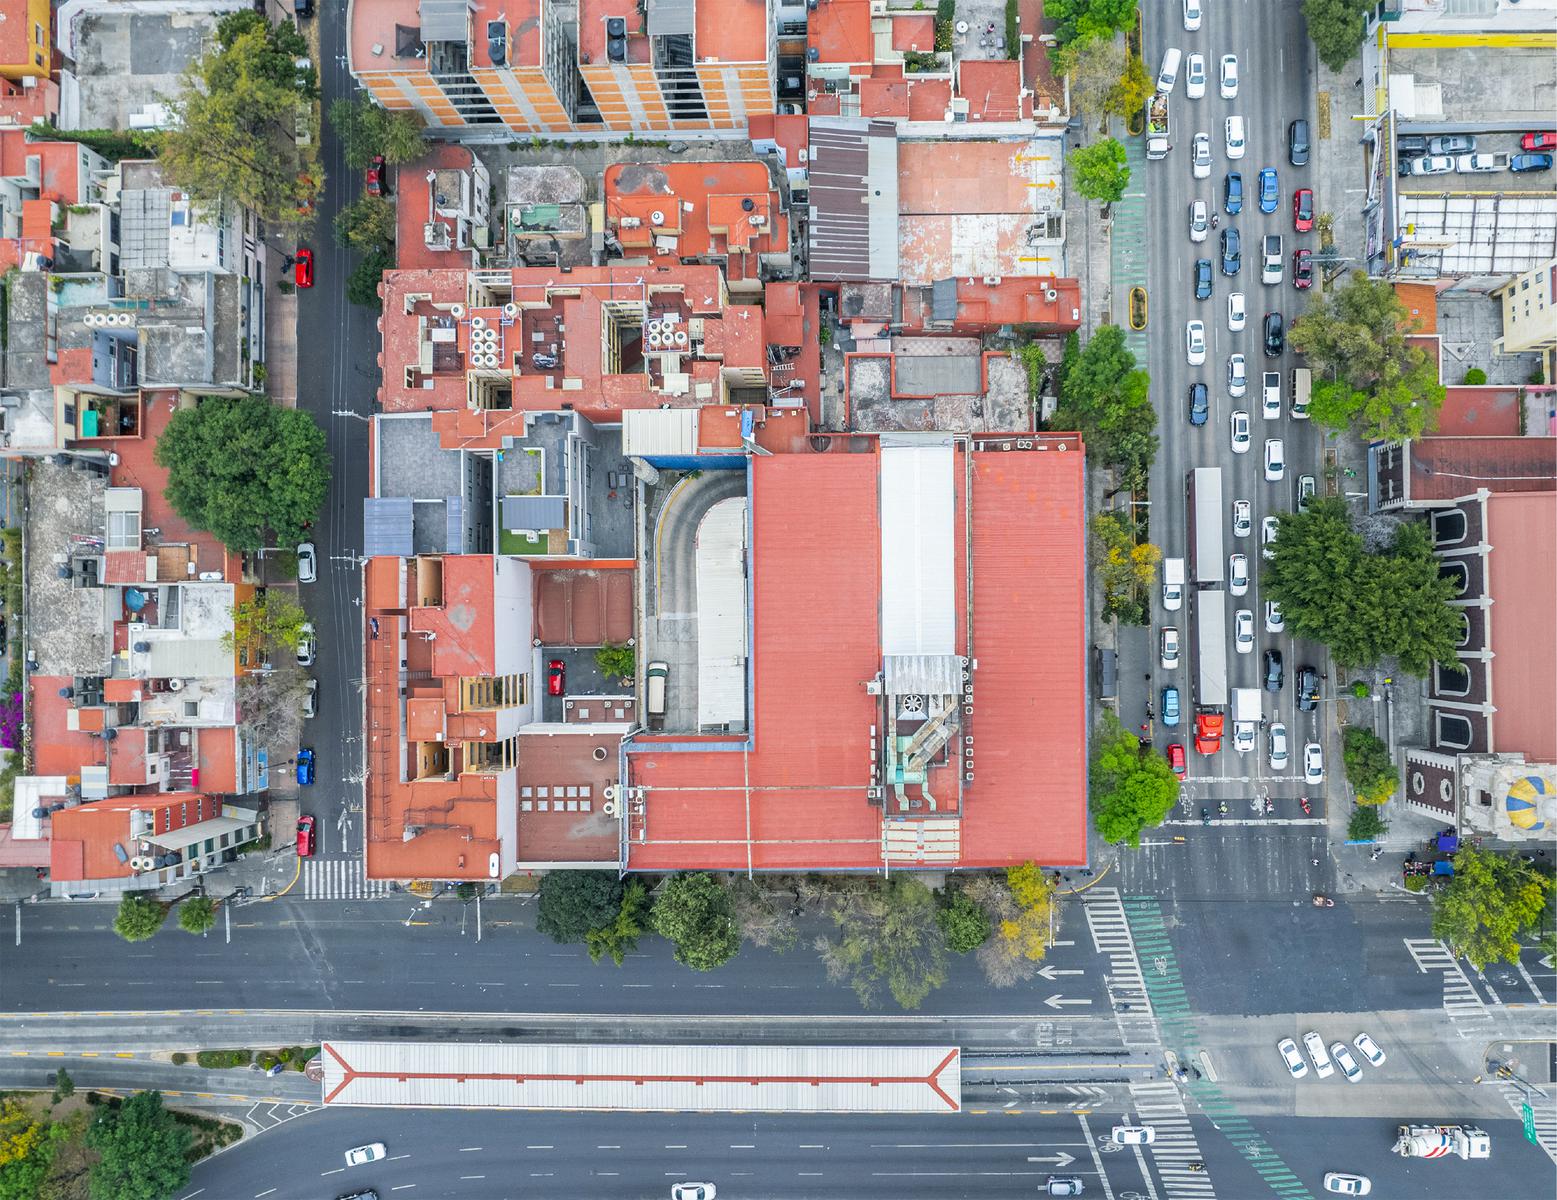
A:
{"x":1457,"y":153}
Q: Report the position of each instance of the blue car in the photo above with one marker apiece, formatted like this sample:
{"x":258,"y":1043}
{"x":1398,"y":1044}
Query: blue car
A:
{"x":1232,"y":194}
{"x":1170,"y":706}
{"x":1270,"y":194}
{"x":305,"y":766}
{"x":1530,"y":162}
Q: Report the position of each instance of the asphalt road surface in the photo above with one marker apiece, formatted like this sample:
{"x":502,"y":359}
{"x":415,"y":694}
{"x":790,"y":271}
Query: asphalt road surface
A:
{"x":487,"y":1155}
{"x":1277,"y":85}
{"x":337,"y":372}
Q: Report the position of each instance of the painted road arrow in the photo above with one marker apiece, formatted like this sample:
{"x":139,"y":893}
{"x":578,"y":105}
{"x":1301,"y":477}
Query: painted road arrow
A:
{"x":1050,"y":972}
{"x":1059,"y":1160}
{"x":1056,"y":1000}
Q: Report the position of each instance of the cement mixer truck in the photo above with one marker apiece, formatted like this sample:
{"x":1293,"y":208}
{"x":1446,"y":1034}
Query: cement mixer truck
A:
{"x":1440,"y":1141}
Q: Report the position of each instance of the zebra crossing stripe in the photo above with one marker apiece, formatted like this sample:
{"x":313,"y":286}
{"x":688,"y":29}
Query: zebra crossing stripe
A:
{"x":340,"y":879}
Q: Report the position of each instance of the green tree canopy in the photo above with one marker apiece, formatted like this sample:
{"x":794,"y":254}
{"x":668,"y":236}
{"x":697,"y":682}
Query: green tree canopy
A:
{"x":1367,"y":378}
{"x":619,"y":937}
{"x":245,"y":468}
{"x":1489,"y":902}
{"x":963,"y":921}
{"x":1132,"y":90}
{"x":889,"y":938}
{"x":1366,"y":824}
{"x":1088,"y":18}
{"x":367,"y":223}
{"x":139,"y":917}
{"x":1336,"y":27}
{"x":1102,"y":173}
{"x":366,"y":129}
{"x":1106,"y":399}
{"x":1362,"y":605}
{"x":270,"y":620}
{"x":197,"y":914}
{"x":1132,"y":787}
{"x":1096,"y":67}
{"x":1127,"y":568}
{"x":26,"y":1151}
{"x":233,"y":136}
{"x":694,"y":911}
{"x":142,"y":1151}
{"x":1369,"y":768}
{"x":574,"y":902}
{"x":362,"y":283}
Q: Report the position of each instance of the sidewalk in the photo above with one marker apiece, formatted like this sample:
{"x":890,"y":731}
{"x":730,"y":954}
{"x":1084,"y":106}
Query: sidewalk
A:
{"x":1088,"y":249}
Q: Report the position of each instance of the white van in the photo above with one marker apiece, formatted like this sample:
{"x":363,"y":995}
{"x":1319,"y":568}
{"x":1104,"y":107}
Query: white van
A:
{"x":1302,"y":385}
{"x":1233,"y":135}
{"x":1169,"y":74}
{"x":655,"y":676}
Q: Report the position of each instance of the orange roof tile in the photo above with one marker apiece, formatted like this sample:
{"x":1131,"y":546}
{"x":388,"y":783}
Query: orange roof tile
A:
{"x":1521,"y":579}
{"x":1421,"y":301}
{"x":839,"y":32}
{"x":913,"y":31}
{"x":993,"y":89}
{"x":463,"y":639}
{"x":928,"y":99}
{"x":424,"y":719}
{"x":883,"y":98}
{"x":783,"y":314}
{"x":122,"y":691}
{"x":58,"y":749}
{"x":732,"y":31}
{"x":217,"y":773}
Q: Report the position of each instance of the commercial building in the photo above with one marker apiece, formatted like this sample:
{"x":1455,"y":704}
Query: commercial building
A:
{"x":26,"y":41}
{"x":489,"y":70}
{"x":1529,"y":311}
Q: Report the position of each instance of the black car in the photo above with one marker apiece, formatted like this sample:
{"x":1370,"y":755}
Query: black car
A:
{"x":1232,"y":193}
{"x":1199,"y":404}
{"x":1411,"y":143}
{"x":1273,"y":670}
{"x":1275,"y":335}
{"x":1307,"y":689}
{"x":1232,"y":252}
{"x":1297,"y":143}
{"x":1202,"y":279}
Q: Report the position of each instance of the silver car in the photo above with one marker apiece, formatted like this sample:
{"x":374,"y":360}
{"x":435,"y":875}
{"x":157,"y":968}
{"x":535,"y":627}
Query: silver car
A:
{"x":1199,"y":221}
{"x":1313,"y":763}
{"x":359,"y":1155}
{"x":1243,"y":524}
{"x":1278,"y":747}
{"x":1200,"y":155}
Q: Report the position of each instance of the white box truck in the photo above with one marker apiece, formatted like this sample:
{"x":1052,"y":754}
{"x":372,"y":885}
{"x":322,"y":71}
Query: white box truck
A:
{"x":1173,"y":584}
{"x":1246,"y":718}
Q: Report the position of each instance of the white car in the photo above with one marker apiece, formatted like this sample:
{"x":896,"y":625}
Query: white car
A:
{"x":1199,"y":221}
{"x":1192,"y":15}
{"x":307,"y":563}
{"x":1274,"y":621}
{"x":358,"y":1155}
{"x":1243,"y":737}
{"x":311,"y":699}
{"x":1369,"y":1049}
{"x":1195,"y":76}
{"x":1195,"y":343}
{"x":1315,"y":1046}
{"x":1229,"y":77}
{"x":1343,"y":1183}
{"x":1133,"y":1135}
{"x":1232,"y":135}
{"x":1278,"y":747}
{"x":1243,"y":631}
{"x":1269,"y":527}
{"x":1200,"y":155}
{"x":693,"y":1191}
{"x":1242,"y":522}
{"x":1430,"y":164}
{"x":1293,"y":1057}
{"x":1270,"y":395}
{"x":1313,"y":763}
{"x":1240,"y":430}
{"x":1237,"y":314}
{"x":1275,"y":460}
{"x":1237,"y":376}
{"x":1170,"y":648}
{"x":305,"y":644}
{"x":1344,"y":1060}
{"x":1238,"y":574}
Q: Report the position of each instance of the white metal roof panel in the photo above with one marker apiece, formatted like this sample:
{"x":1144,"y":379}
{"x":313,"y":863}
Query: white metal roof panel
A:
{"x":703,"y":1078}
{"x":918,"y":552}
{"x":659,"y":432}
{"x":721,"y":615}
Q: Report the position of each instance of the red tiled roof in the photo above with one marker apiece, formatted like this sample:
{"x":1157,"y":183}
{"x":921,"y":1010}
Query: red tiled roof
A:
{"x":1421,"y":301}
{"x":883,"y":98}
{"x":127,"y":758}
{"x":993,"y":89}
{"x":914,"y":31}
{"x":1478,"y":412}
{"x":928,"y":99}
{"x":1522,"y":579}
{"x":412,"y":211}
{"x":785,"y":317}
{"x":463,"y":641}
{"x":218,"y":767}
{"x":839,"y":31}
{"x":22,"y":852}
{"x":56,"y":748}
{"x":732,"y":31}
{"x":557,"y":762}
{"x":1446,"y":468}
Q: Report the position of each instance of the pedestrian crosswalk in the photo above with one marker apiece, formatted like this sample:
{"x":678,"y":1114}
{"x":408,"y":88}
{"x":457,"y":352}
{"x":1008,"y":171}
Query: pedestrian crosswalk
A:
{"x":1542,"y":1108}
{"x":1175,"y":1147}
{"x":1466,"y":1009}
{"x":339,"y":879}
{"x":1111,"y":936}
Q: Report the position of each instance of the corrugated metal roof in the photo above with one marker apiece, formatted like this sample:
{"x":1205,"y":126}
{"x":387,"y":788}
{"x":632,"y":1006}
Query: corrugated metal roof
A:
{"x":918,"y":548}
{"x":659,"y":432}
{"x":853,"y":231}
{"x":445,"y":20}
{"x":535,"y":512}
{"x":386,"y":527}
{"x":922,"y":674}
{"x":711,"y":1078}
{"x":943,"y":300}
{"x":670,"y":17}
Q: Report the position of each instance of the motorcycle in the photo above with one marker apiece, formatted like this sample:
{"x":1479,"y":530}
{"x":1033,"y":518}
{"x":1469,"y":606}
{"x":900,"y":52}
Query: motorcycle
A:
{"x":1323,"y":901}
{"x":1270,"y":807}
{"x":1303,"y":800}
{"x":1222,"y":808}
{"x":1205,"y":816}
{"x":1197,"y":1166}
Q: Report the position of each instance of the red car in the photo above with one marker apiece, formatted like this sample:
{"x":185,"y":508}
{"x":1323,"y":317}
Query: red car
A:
{"x":1176,"y":760}
{"x":373,"y":177}
{"x":556,"y":676}
{"x":1302,"y":269}
{"x":1538,"y":141}
{"x":303,"y":268}
{"x":1303,"y":210}
{"x":305,"y":837}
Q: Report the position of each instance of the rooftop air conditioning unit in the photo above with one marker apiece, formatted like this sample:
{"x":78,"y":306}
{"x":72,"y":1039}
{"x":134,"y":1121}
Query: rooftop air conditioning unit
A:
{"x":478,"y":322}
{"x":631,"y":222}
{"x":1050,"y":295}
{"x":510,"y":310}
{"x":681,"y":337}
{"x":656,"y":217}
{"x":456,"y":311}
{"x":758,"y":220}
{"x":609,"y":808}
